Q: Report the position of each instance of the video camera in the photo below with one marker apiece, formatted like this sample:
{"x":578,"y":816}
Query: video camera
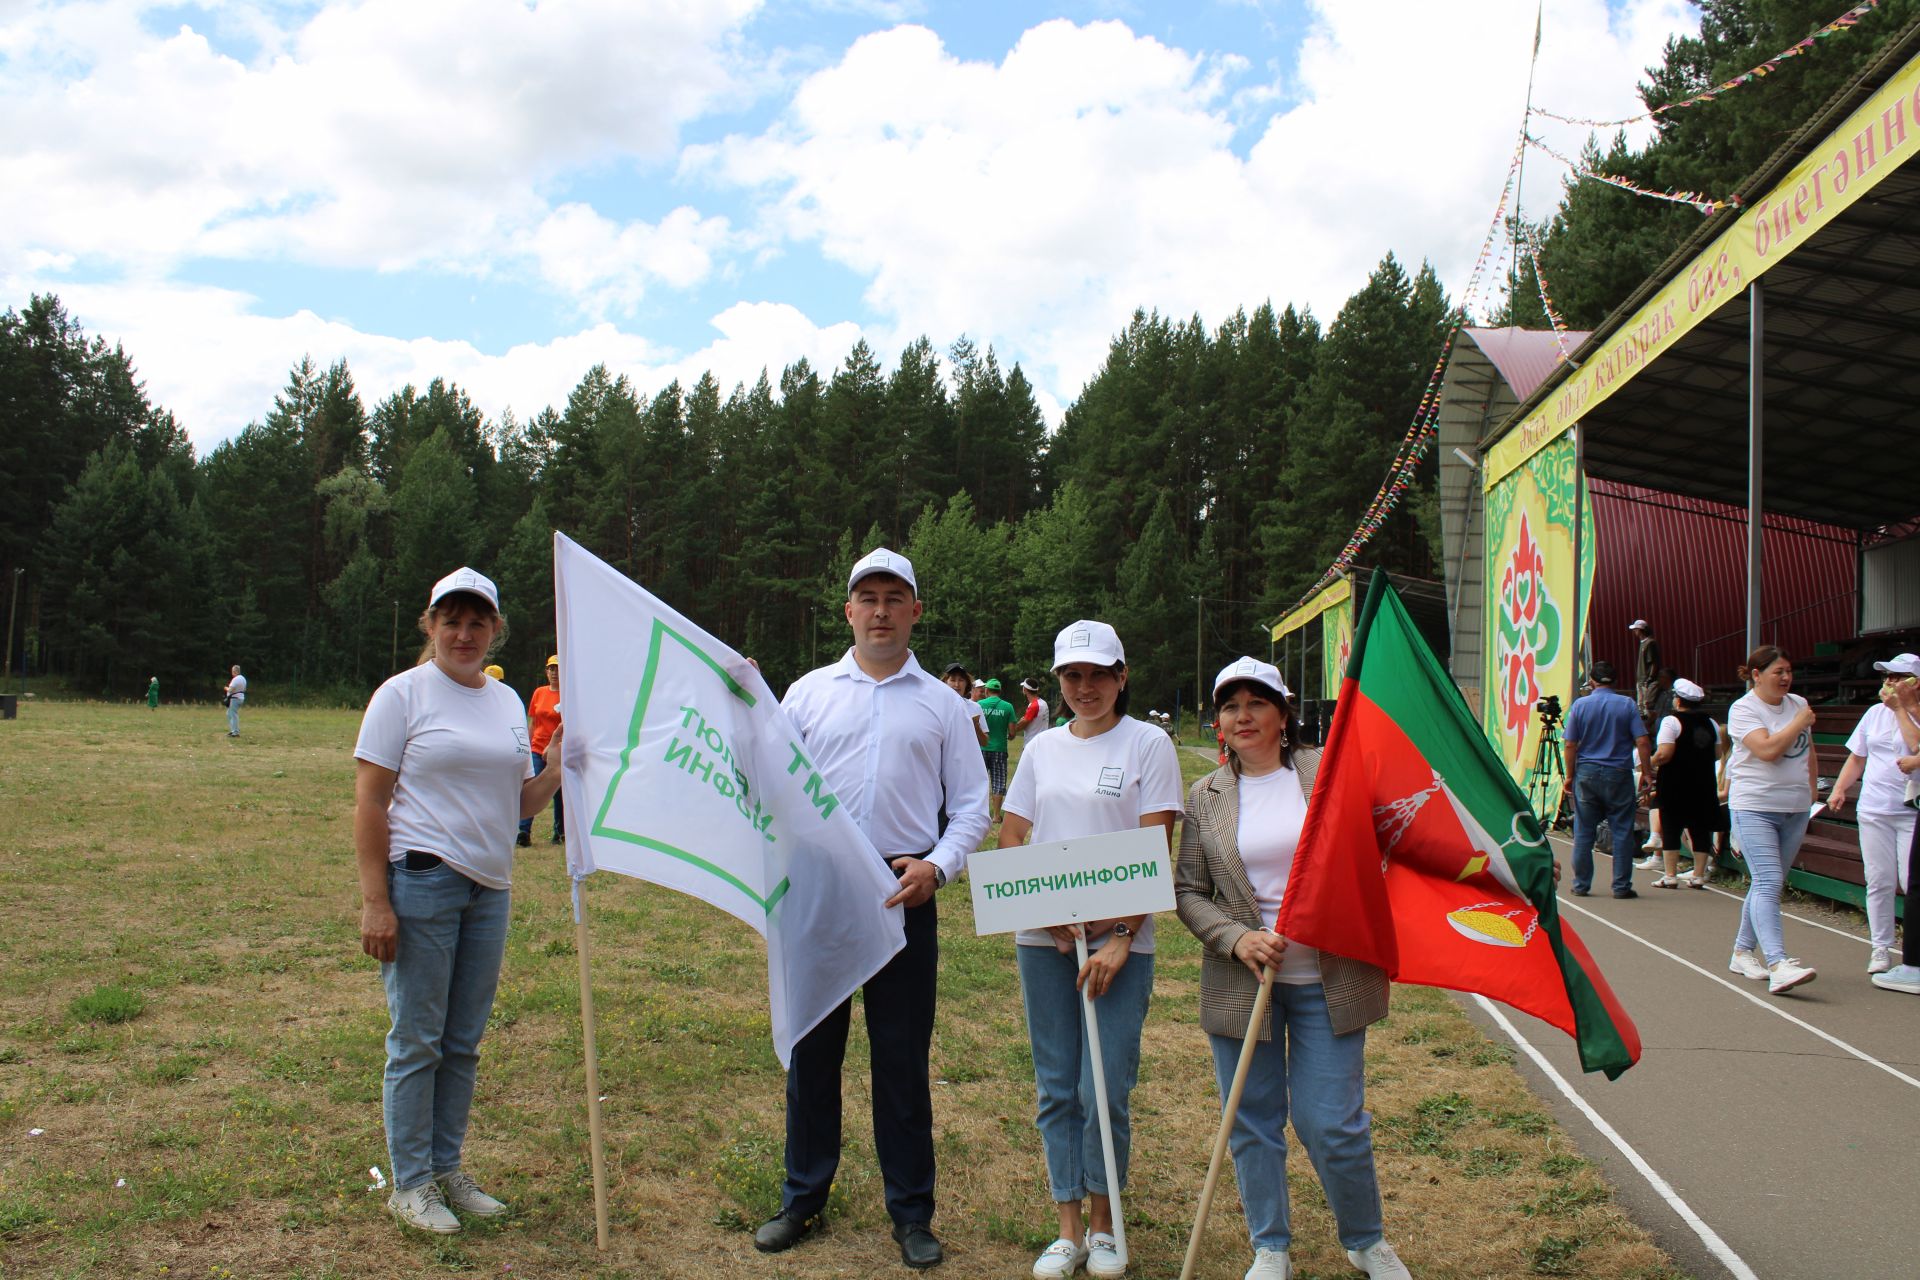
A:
{"x":1549,"y":709}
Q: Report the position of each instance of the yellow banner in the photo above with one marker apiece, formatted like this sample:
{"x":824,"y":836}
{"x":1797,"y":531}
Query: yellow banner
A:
{"x":1328,"y":597}
{"x":1336,"y":647}
{"x":1875,"y":140}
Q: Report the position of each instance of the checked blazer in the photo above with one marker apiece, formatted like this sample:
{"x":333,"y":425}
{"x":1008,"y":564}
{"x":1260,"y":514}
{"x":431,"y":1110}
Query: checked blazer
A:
{"x":1216,"y":901}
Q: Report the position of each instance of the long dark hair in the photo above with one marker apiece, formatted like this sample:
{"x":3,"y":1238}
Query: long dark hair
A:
{"x":1289,"y":722}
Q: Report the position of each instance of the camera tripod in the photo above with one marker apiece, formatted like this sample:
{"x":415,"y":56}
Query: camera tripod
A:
{"x":1547,"y":781}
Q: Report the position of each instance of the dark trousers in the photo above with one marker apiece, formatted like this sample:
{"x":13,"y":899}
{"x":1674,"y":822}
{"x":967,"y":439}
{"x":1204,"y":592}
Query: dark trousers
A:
{"x":1603,"y":793}
{"x":559,"y":810}
{"x":899,"y":1005}
{"x":1910,"y":944}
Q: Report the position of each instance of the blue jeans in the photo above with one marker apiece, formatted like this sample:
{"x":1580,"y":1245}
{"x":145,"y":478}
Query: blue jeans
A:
{"x":1769,"y":842}
{"x":233,"y":717}
{"x":1603,"y":793}
{"x":559,"y":814}
{"x":440,"y":988}
{"x":1322,"y":1075}
{"x":1068,"y":1119}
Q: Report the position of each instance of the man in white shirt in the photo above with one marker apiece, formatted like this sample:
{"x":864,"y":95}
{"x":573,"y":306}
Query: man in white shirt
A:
{"x":898,"y":749}
{"x":233,"y":695}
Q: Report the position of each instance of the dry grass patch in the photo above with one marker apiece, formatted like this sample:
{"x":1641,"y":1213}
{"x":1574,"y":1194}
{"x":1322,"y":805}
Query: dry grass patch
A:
{"x":194,"y":1029}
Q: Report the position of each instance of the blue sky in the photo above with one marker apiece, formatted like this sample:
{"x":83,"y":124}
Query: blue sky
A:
{"x":504,"y":194}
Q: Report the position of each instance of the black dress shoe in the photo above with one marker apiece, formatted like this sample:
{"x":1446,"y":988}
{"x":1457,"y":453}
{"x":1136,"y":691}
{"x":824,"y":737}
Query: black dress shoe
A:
{"x":1625,"y":893}
{"x":523,"y":840}
{"x":782,"y":1231}
{"x":1578,"y":892}
{"x":918,"y":1247}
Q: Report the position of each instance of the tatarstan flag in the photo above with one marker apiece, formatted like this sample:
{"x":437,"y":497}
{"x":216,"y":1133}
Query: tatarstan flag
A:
{"x":1421,"y":856}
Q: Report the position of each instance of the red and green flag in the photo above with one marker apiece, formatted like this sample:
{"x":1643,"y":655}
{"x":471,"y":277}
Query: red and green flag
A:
{"x":1421,"y":856}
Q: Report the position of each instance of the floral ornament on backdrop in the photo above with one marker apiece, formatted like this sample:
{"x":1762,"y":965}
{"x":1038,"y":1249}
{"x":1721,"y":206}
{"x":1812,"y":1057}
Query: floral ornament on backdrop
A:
{"x":1529,"y":630}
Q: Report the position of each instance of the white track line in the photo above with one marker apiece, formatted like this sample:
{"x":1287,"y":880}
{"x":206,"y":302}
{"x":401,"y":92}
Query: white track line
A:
{"x":1719,"y":1248}
{"x":1741,"y":897}
{"x":1771,"y":1006}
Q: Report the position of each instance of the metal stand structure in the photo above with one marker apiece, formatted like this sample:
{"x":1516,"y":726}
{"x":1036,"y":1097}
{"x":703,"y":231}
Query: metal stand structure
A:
{"x":1547,"y":782}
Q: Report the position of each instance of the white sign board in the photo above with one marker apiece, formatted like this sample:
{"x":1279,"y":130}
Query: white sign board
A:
{"x":1033,"y":886}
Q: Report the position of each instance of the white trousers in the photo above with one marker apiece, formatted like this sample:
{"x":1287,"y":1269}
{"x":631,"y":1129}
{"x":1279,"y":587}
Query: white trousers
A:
{"x":1884,"y":840}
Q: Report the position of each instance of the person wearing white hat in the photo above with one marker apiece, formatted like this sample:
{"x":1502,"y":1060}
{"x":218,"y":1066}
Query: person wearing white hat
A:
{"x":1646,"y":668}
{"x":1905,"y":976}
{"x":898,"y":750}
{"x":1885,"y":734}
{"x":1243,"y":826}
{"x":1105,"y":772}
{"x":1688,"y":749}
{"x":1034,"y":720}
{"x":443,"y":774}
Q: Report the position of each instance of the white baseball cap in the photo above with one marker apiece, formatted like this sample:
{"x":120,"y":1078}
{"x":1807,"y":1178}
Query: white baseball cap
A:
{"x":1685,"y":688}
{"x":1087,"y":641}
{"x":1906,"y":664}
{"x":881,"y":560}
{"x":469,"y":580}
{"x":1260,"y":673}
{"x":1030,"y":686}
{"x":1638,"y":624}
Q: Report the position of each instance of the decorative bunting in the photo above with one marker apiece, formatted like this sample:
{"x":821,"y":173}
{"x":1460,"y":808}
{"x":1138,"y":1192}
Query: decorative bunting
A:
{"x":1531,"y":243}
{"x":1841,"y":23}
{"x":1704,"y":203}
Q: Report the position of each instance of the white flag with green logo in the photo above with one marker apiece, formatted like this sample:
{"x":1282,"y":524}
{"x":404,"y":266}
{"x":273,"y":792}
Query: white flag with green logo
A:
{"x":685,"y":772}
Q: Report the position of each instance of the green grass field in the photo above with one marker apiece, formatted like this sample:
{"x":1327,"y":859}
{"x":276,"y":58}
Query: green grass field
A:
{"x":191,"y":1028}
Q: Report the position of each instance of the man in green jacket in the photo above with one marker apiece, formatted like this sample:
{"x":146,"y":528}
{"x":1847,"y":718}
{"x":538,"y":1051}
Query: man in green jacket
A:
{"x":999,"y":715}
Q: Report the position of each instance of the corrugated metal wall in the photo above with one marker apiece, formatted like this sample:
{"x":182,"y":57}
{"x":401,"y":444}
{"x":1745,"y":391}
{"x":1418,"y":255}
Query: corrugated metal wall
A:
{"x":1681,"y":563}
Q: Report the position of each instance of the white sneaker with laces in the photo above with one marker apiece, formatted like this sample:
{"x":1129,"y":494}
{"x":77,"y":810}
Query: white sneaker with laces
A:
{"x":1103,"y":1256}
{"x":1785,"y":975}
{"x":1270,"y":1264}
{"x":1747,"y":964}
{"x":1380,"y":1262}
{"x":1649,"y":862}
{"x":1881,"y":961}
{"x":1061,"y":1258}
{"x":1902,"y":977}
{"x":464,"y":1194}
{"x":425,"y":1207}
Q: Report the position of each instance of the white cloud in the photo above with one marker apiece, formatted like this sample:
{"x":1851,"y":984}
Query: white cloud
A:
{"x":1035,"y":202}
{"x":205,"y":354}
{"x":608,"y":267}
{"x":381,"y":133}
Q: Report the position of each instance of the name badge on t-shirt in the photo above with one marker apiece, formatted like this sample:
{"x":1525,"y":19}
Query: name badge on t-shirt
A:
{"x":520,"y":743}
{"x":1111,"y":777}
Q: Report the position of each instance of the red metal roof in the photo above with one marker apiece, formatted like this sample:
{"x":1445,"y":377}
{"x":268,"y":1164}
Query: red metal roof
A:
{"x":1681,"y":563}
{"x":1526,"y":357}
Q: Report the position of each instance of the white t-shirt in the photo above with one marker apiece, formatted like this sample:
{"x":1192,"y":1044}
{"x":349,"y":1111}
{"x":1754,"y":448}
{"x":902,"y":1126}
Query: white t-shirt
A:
{"x":1753,"y":783}
{"x":1041,"y":721}
{"x":1670,"y":731}
{"x":461,"y":755}
{"x":1068,"y":786}
{"x":1272,"y":811}
{"x":1883,"y":788}
{"x":237,"y":688}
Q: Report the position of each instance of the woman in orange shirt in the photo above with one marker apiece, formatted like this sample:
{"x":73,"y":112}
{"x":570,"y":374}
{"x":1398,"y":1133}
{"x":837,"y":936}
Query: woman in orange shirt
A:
{"x":543,"y":717}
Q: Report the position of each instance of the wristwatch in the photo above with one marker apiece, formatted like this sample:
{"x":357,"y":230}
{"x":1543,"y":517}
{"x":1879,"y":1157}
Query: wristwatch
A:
{"x":939,"y":877}
{"x":1123,"y":930}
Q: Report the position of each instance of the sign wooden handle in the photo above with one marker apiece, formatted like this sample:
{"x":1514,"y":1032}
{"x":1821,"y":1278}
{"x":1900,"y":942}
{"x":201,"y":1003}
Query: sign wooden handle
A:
{"x":1228,"y":1110}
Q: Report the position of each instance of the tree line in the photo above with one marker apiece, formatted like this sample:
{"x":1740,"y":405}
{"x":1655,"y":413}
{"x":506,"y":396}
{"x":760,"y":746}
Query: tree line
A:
{"x":1200,"y":481}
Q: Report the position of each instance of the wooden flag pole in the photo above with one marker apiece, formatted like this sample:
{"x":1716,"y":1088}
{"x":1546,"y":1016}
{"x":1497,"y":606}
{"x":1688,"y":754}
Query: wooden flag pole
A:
{"x":596,"y":1141}
{"x":1100,"y":1102}
{"x":1228,"y":1111}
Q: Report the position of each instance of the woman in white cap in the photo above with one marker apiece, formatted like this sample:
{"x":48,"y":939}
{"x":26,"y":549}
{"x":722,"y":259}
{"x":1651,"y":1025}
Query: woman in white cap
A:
{"x":1772,"y":780}
{"x":1236,"y":855}
{"x":1686,"y":788}
{"x":1885,"y":733}
{"x":1106,"y":772}
{"x":443,"y":776}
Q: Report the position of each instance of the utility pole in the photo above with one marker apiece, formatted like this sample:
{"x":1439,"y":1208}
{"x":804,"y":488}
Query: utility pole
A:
{"x":1198,"y":674}
{"x":6,"y":676}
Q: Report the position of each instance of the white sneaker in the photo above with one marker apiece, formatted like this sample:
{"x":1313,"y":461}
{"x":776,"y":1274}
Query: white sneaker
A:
{"x":464,"y":1194}
{"x":1747,"y":964}
{"x":425,"y":1207}
{"x":1785,"y":975}
{"x":1902,"y":977}
{"x":1061,"y":1258}
{"x":1270,"y":1264}
{"x":1103,"y":1256}
{"x":1651,"y":861}
{"x":1881,"y":961}
{"x":1380,"y":1262}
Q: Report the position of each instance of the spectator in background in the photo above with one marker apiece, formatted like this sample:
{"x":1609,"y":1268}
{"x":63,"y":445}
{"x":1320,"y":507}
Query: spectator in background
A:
{"x":1033,"y":721}
{"x":958,"y":679}
{"x":1688,"y":748}
{"x":233,"y":695}
{"x":543,"y":717}
{"x":495,"y":670}
{"x":1905,"y":976}
{"x":1885,"y":734}
{"x":998,"y":714}
{"x":1772,"y":782}
{"x":1603,"y":735}
{"x":1646,"y":668}
{"x":153,"y":693}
